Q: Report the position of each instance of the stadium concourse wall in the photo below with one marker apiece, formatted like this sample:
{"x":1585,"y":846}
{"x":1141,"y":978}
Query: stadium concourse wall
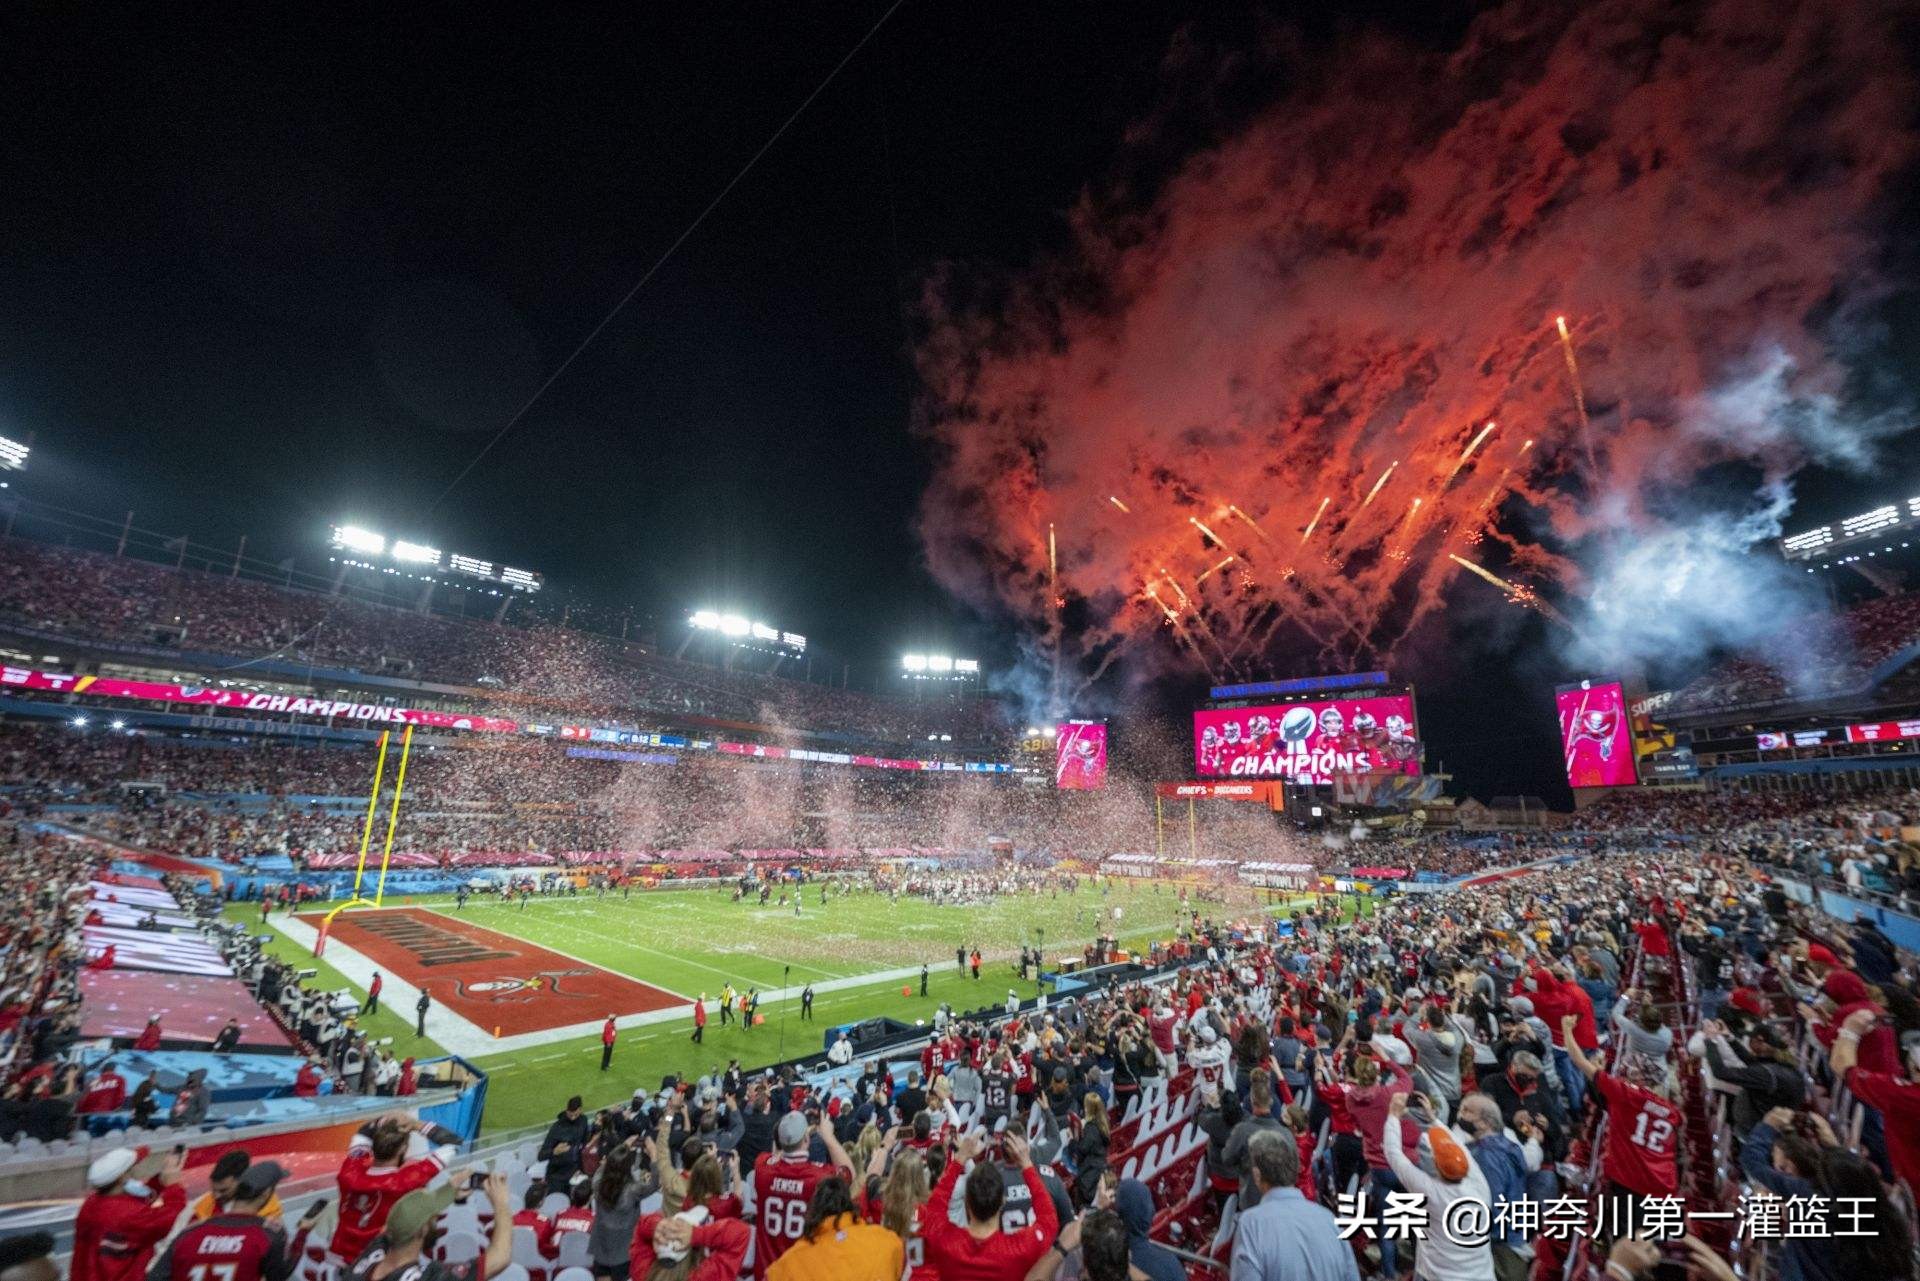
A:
{"x":319,"y":1133}
{"x":1844,"y":905}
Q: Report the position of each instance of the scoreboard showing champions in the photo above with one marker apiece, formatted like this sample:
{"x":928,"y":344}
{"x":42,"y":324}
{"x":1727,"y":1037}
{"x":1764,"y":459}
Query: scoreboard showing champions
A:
{"x":1311,"y":741}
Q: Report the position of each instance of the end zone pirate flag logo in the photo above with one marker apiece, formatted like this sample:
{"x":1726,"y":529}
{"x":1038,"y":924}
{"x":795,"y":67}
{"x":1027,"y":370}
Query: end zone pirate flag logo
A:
{"x":519,"y":989}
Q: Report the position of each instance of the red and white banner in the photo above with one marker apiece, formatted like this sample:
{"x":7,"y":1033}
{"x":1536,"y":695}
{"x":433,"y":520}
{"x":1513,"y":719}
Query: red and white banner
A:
{"x":151,"y":950}
{"x":240,"y":700}
{"x":1215,"y":791}
{"x":1882,"y":731}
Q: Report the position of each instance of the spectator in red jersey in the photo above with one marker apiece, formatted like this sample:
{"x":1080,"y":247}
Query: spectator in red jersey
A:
{"x":1557,"y":997}
{"x":1643,"y":1128}
{"x":528,"y":1216}
{"x":149,"y":1038}
{"x":1895,"y":1096}
{"x":306,"y":1084}
{"x":981,"y":1251}
{"x":239,"y":1242}
{"x":409,"y":1079}
{"x":712,"y":1250}
{"x":578,"y":1216}
{"x":783,"y":1184}
{"x":116,"y":1229}
{"x":108,"y":1093}
{"x":387,"y":1159}
{"x":400,"y":1250}
{"x":898,"y":1204}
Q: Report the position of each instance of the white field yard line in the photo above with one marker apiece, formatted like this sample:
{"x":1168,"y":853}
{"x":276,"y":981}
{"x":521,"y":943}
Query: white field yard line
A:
{"x":581,"y":908}
{"x":553,"y":904}
{"x":683,"y":1016}
{"x":730,"y":976}
{"x":454,"y":1032}
{"x":470,"y":1041}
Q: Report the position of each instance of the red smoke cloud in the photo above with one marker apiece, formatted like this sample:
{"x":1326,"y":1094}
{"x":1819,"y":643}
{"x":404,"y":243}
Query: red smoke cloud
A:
{"x":1369,"y":274}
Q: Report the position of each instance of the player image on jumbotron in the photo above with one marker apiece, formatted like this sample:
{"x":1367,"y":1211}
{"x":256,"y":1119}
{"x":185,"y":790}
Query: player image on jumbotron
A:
{"x":1310,"y":741}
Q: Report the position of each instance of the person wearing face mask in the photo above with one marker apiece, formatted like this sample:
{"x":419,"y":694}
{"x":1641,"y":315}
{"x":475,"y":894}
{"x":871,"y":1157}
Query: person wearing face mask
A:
{"x":1519,"y":1094}
{"x":1506,"y":1166}
{"x":1444,"y":1173}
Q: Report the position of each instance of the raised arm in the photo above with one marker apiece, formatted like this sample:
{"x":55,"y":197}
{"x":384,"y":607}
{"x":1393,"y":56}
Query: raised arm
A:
{"x":1587,"y":1066}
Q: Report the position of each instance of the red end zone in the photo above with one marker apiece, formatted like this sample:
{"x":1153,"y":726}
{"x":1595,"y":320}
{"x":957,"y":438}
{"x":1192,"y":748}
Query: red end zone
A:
{"x":489,"y":978}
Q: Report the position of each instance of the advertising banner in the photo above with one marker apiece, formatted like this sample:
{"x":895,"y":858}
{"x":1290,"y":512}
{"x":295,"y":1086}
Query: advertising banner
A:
{"x":1883,"y":731}
{"x":1215,"y":791}
{"x":1595,"y":735}
{"x":241,"y":700}
{"x":1310,"y":742}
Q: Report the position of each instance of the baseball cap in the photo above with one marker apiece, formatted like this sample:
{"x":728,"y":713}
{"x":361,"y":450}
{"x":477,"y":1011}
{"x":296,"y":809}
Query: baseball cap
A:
{"x":791,"y":1132}
{"x":1449,"y":1158}
{"x":113,"y":1165}
{"x":260,"y":1177}
{"x":413,"y":1213}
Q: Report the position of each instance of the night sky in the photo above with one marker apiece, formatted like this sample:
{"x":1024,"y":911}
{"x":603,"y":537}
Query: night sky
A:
{"x":262,"y":278}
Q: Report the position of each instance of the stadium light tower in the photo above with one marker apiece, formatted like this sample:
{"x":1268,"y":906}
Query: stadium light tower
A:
{"x":13,"y":455}
{"x":352,"y":538}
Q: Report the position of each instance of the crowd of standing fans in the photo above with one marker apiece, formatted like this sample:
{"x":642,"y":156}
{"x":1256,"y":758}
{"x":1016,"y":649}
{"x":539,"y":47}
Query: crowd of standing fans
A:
{"x":99,"y":597}
{"x":1635,"y":1066}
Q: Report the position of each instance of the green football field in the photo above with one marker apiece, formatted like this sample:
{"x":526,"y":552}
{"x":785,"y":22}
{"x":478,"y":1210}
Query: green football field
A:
{"x":692,"y":941}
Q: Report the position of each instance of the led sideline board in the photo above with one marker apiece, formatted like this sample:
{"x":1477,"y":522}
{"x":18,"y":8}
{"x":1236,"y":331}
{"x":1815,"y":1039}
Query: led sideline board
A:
{"x":1596,"y":737}
{"x":1308,"y":742}
{"x":1080,"y":755}
{"x":1300,"y":685}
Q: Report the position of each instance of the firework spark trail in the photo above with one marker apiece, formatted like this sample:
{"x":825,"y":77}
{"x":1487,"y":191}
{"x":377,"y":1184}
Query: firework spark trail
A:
{"x":1483,"y":572}
{"x":1475,"y":444}
{"x":1378,"y":483}
{"x":1314,"y":523}
{"x":1196,"y":523}
{"x":1525,"y":597}
{"x":1311,"y":327}
{"x":1579,"y":395}
{"x":1222,"y":563}
{"x":1175,"y":584}
{"x":1184,"y":634}
{"x":1251,"y":524}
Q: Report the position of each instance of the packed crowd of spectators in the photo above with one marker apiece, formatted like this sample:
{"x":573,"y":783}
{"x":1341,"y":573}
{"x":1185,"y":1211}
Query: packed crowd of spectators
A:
{"x":1632,"y":1064}
{"x":45,"y":880}
{"x":1607,"y":1041}
{"x":506,"y":796}
{"x":1807,"y":657}
{"x":96,"y":597}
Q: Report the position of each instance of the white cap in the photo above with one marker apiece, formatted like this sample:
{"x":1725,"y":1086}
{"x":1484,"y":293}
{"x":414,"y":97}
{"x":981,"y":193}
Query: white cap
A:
{"x":112,"y":1167}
